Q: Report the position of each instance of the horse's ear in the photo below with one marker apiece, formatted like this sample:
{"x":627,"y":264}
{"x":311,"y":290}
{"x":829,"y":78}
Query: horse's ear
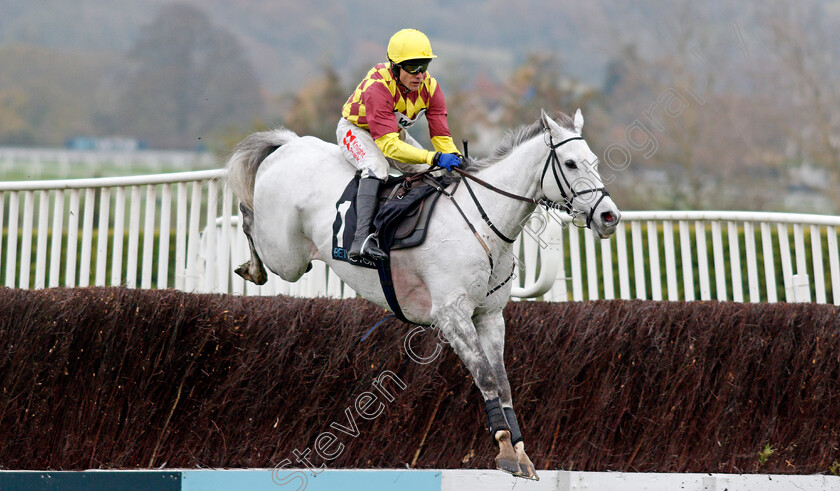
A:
{"x":578,"y":121}
{"x":547,"y":122}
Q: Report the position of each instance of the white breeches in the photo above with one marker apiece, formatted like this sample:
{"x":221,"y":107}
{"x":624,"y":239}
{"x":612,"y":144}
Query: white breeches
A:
{"x":359,"y":149}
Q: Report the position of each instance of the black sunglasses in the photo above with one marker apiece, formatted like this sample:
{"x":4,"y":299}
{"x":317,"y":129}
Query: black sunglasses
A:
{"x":414,"y":68}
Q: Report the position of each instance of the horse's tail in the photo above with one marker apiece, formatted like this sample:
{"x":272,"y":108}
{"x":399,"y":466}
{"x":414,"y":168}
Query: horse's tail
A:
{"x":247,"y":157}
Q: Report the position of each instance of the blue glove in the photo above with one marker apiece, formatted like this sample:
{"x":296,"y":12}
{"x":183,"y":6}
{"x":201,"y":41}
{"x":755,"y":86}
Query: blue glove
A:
{"x":448,"y":160}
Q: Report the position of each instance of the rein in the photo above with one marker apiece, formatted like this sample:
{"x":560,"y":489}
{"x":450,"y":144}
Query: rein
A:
{"x":497,"y":190}
{"x":565,"y":205}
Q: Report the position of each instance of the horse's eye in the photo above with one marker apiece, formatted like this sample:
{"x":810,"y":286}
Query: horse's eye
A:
{"x":571,"y":164}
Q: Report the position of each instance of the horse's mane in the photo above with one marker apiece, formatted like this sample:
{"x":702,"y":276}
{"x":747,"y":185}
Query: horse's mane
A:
{"x":516,"y":137}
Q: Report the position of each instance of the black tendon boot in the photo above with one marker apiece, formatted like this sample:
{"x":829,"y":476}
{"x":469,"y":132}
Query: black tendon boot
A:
{"x":364,"y":242}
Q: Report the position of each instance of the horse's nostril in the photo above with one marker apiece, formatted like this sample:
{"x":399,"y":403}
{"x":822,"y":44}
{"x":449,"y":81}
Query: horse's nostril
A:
{"x":608,"y":216}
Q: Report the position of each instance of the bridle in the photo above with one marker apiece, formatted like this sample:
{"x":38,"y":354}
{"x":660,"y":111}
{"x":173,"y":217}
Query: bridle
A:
{"x":553,"y":161}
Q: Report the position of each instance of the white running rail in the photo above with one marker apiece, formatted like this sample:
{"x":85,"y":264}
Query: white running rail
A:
{"x":151,"y":232}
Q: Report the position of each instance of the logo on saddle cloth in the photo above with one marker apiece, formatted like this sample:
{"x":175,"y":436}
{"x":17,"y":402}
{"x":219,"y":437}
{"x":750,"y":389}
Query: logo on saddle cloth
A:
{"x":401,"y":220}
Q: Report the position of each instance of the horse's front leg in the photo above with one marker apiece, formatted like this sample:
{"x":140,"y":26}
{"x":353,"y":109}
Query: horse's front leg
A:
{"x":455,"y":322}
{"x":490,"y":327}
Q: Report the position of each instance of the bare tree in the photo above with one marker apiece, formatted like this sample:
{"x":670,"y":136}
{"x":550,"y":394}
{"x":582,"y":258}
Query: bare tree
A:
{"x":685,"y":127}
{"x":190,"y":79}
{"x":539,"y":83}
{"x":315,"y":109}
{"x":804,"y":77}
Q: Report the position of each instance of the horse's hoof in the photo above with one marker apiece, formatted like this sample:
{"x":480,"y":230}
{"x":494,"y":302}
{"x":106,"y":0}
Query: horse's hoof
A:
{"x":527,"y":471}
{"x":242,"y":271}
{"x":509,"y":465}
{"x":507,"y":460}
{"x":259,"y":277}
{"x":526,"y":467}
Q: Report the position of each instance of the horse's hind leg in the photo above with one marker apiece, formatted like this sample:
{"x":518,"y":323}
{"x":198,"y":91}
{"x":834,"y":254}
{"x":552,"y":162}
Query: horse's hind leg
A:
{"x":252,"y":270}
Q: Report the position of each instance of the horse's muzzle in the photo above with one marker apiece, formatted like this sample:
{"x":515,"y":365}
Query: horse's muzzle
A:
{"x":609,"y":217}
{"x":605,"y":223}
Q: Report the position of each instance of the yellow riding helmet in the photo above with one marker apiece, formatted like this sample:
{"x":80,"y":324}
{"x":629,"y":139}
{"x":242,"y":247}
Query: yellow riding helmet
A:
{"x":409,"y":44}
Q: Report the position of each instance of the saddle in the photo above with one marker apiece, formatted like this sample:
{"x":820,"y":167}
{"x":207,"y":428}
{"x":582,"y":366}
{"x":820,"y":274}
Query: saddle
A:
{"x":402,"y":216}
{"x":401,"y":221}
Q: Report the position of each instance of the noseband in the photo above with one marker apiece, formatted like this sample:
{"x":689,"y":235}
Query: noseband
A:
{"x":553,"y":161}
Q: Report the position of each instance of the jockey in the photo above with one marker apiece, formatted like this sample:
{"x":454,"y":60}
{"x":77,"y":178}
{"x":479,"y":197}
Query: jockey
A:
{"x":371,"y":132}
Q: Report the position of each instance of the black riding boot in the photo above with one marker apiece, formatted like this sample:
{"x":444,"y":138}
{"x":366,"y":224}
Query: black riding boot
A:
{"x":364,"y":242}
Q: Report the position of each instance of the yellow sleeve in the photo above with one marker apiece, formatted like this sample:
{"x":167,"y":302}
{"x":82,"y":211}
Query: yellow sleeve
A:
{"x":444,"y":144}
{"x":396,"y":149}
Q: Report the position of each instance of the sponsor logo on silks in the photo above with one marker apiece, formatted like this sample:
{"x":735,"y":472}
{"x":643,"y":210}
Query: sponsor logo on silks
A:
{"x":404,"y":121}
{"x":353,"y":146}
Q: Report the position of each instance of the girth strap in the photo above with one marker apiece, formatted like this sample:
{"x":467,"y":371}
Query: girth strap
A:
{"x":493,"y":290}
{"x":384,"y":267}
{"x":385,"y":278}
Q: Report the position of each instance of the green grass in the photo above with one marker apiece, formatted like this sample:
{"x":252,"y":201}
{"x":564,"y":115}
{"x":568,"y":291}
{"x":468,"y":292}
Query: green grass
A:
{"x":765,"y":454}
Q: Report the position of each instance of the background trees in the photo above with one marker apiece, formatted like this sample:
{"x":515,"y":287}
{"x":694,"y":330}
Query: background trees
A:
{"x":188,"y":78}
{"x":45,"y":95}
{"x":716,"y":104}
{"x":315,"y":109}
{"x":804,"y":66}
